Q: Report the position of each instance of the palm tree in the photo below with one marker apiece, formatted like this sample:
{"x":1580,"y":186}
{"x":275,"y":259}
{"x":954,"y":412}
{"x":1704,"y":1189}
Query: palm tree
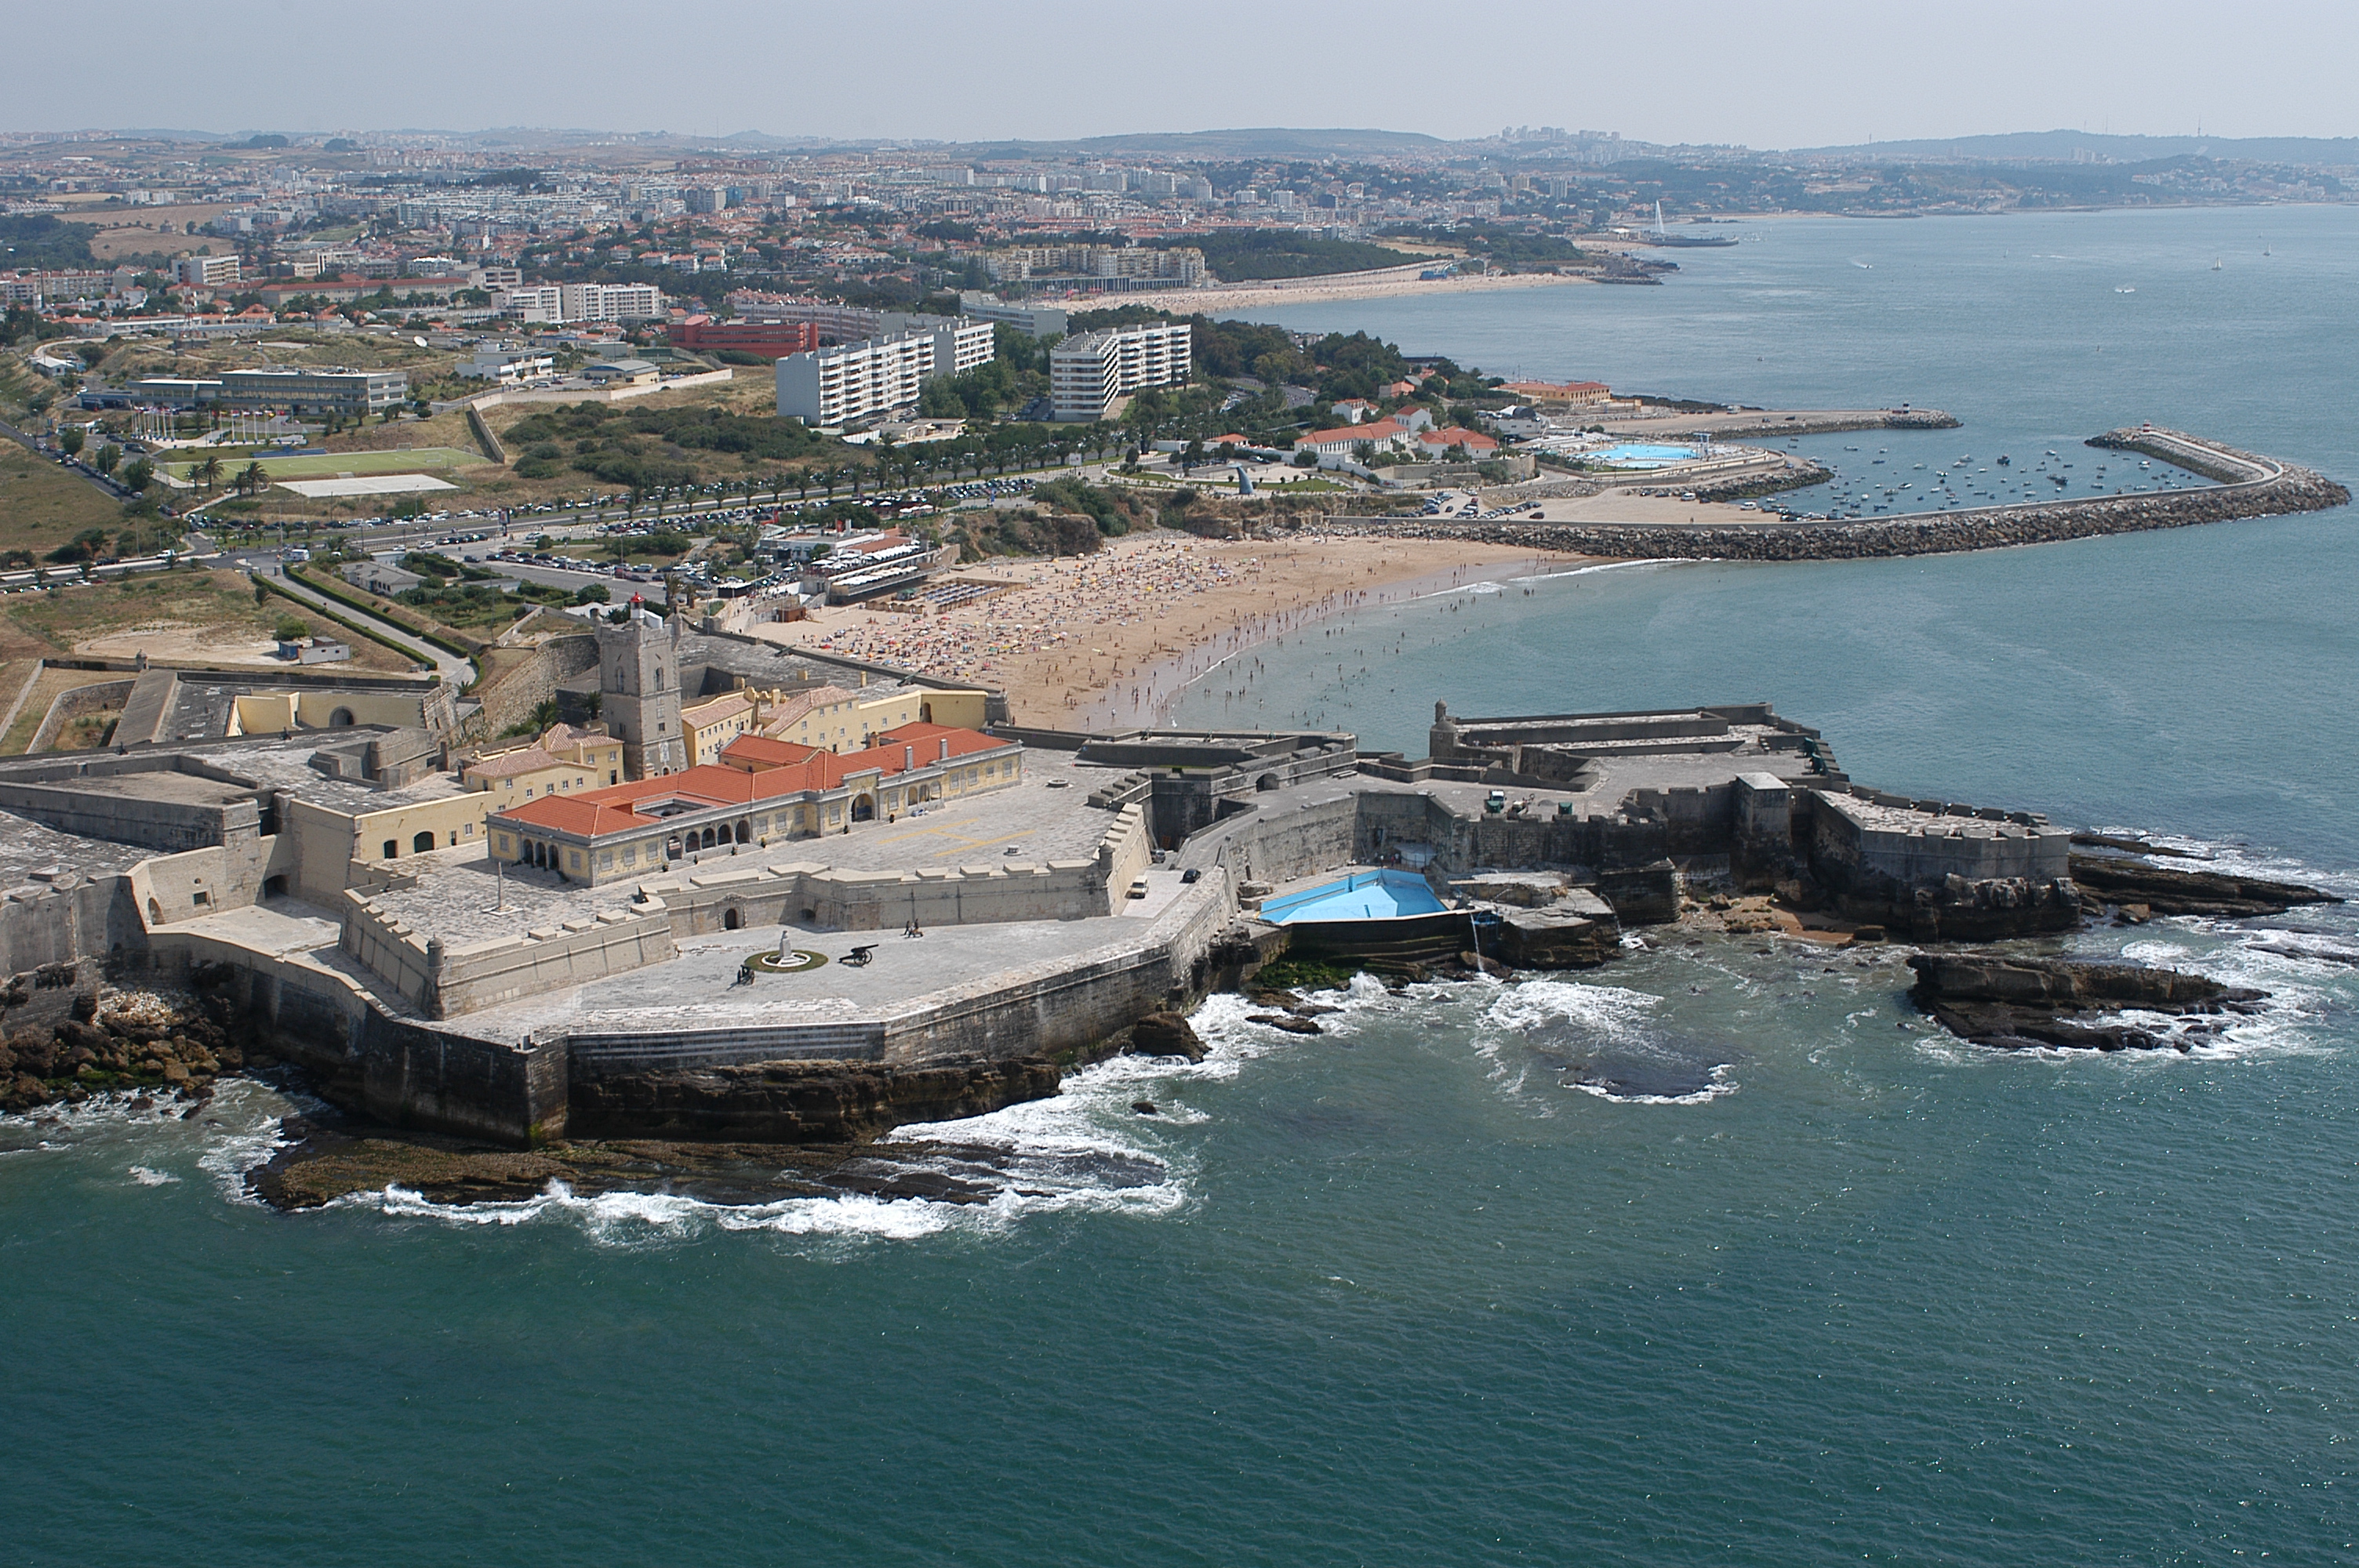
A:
{"x":208,"y":474}
{"x":253,"y":479}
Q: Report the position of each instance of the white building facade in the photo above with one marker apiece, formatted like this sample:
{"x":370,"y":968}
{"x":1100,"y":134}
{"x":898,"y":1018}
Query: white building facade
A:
{"x":1090,"y":375}
{"x":850,"y":382}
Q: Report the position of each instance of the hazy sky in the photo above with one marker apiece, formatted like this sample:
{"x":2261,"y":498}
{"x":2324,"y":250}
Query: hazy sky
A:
{"x":1698,"y":71}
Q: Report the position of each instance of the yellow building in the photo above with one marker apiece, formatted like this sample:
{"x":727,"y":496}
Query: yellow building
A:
{"x":831,"y":717}
{"x":565,"y":759}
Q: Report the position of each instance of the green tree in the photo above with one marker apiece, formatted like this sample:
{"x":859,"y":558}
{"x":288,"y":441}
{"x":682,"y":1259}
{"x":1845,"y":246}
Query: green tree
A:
{"x":69,"y":440}
{"x":136,"y":474}
{"x":108,"y":456}
{"x":207,"y":473}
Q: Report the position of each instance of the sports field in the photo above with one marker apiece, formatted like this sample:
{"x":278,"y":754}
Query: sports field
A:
{"x":328,"y":465}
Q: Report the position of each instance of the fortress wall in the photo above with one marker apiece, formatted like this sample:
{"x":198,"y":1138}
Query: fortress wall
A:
{"x":511,"y":698}
{"x":1930,"y":855}
{"x":1123,"y":854}
{"x":385,"y":947}
{"x":168,"y":824}
{"x":171,"y":888}
{"x":43,"y":924}
{"x":1053,"y":1008}
{"x":544,"y":959}
{"x":392,"y":1069}
{"x":1280,"y":845}
{"x":72,"y":705}
{"x":1698,"y":821}
{"x":704,"y":901}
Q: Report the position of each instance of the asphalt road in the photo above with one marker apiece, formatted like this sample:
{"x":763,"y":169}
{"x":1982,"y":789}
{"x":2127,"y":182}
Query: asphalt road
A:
{"x":459,"y":672}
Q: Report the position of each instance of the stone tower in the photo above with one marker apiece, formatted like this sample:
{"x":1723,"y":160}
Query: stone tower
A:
{"x":638,"y":680}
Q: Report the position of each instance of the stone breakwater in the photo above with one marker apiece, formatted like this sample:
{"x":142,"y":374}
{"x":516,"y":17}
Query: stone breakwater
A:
{"x":2281,"y":490}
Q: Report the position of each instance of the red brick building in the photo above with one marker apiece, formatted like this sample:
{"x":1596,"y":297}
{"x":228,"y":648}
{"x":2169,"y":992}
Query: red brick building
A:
{"x":771,"y":340}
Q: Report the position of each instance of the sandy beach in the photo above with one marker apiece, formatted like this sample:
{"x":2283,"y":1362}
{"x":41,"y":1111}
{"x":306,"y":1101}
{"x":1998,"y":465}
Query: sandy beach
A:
{"x":1109,"y":639}
{"x":1223,"y":299}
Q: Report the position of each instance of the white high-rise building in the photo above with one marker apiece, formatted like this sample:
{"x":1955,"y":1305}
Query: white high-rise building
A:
{"x":860,"y":381}
{"x":612,"y":302}
{"x":1090,"y":375}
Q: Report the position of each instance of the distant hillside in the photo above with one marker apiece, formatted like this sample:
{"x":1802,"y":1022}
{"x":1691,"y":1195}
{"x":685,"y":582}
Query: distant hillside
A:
{"x":1241,"y":144}
{"x":2039,"y":146}
{"x":1244,"y":256}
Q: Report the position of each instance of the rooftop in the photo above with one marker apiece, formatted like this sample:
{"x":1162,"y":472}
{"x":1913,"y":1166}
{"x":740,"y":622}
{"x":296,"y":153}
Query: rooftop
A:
{"x":1043,"y":817}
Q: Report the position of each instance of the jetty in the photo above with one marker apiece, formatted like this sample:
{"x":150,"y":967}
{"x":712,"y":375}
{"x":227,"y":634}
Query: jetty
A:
{"x":2248,"y":485}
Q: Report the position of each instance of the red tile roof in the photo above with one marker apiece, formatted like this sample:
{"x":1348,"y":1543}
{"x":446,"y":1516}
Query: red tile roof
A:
{"x":615,"y":808}
{"x":1456,"y":436}
{"x":1378,"y":431}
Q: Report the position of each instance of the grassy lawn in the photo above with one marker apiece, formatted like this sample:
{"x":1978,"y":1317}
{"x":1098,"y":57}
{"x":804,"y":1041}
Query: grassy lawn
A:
{"x":42,"y":505}
{"x":328,"y":465}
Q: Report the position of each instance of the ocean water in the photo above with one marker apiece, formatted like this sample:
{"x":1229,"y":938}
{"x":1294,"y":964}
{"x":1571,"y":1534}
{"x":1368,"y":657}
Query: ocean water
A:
{"x":1717,"y":1255}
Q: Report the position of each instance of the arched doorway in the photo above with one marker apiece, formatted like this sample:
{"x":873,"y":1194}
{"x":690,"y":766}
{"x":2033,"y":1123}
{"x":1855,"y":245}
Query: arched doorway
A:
{"x":745,"y":832}
{"x":341,"y":718}
{"x":730,"y":920}
{"x":391,"y":850}
{"x":155,"y":913}
{"x":863,"y":808}
{"x":711,"y":838}
{"x":422,"y":844}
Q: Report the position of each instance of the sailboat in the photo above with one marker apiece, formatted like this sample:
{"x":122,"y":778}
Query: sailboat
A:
{"x":2215,"y":263}
{"x":1663,"y":236}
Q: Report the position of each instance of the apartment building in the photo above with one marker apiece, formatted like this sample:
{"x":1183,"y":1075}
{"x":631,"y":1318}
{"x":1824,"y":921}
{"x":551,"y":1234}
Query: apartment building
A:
{"x":611,"y":302}
{"x":349,"y":393}
{"x":852,"y":381}
{"x":1083,"y":265}
{"x":1043,"y":322}
{"x":206,"y":272}
{"x":1090,"y":374}
{"x":836,"y":322}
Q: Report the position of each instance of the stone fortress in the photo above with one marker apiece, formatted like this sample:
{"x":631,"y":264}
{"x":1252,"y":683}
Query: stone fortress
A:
{"x":443,"y":941}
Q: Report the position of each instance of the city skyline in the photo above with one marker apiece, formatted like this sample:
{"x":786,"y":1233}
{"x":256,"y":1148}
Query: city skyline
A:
{"x":1827,"y":74}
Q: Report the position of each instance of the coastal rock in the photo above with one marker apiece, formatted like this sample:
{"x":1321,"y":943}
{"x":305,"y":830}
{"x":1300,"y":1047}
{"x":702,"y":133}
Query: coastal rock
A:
{"x":321,"y":1161}
{"x":798,"y":1102}
{"x":1642,"y":895}
{"x":1166,"y":1034}
{"x":1579,"y":933}
{"x":1285,"y":1022}
{"x":2164,"y":890}
{"x":2013,"y":1003}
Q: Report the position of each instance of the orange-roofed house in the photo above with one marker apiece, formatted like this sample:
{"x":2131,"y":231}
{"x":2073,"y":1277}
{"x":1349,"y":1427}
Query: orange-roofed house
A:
{"x":565,"y":759}
{"x":757,"y":790}
{"x":1345,"y":440}
{"x":1477,"y":445}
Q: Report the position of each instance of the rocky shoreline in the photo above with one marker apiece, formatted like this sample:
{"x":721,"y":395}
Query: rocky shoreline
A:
{"x":143,"y":1044}
{"x":2014,"y":1003}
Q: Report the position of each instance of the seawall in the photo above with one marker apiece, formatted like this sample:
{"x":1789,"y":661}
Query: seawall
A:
{"x":2275,"y":489}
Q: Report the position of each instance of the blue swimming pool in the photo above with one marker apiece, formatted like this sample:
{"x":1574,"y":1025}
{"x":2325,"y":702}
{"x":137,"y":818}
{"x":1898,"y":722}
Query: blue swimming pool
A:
{"x":1640,"y":455}
{"x":1363,"y":896}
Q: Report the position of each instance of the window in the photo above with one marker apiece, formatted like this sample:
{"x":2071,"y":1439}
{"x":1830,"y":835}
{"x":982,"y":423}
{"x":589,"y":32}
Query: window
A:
{"x":391,"y":851}
{"x":468,"y":831}
{"x":573,"y":858}
{"x":201,"y":898}
{"x":606,"y":860}
{"x":527,"y":792}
